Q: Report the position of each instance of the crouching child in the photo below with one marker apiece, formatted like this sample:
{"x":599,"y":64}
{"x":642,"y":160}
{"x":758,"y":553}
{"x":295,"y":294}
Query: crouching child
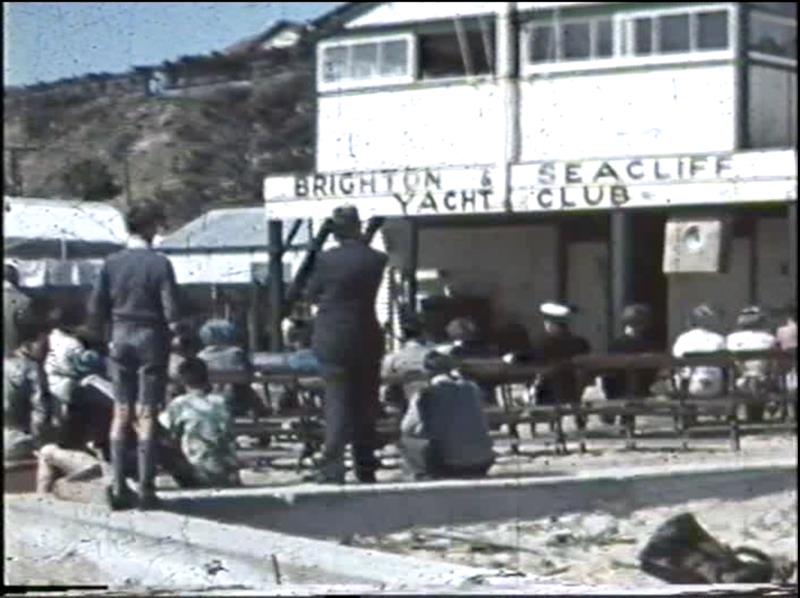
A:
{"x":199,"y":427}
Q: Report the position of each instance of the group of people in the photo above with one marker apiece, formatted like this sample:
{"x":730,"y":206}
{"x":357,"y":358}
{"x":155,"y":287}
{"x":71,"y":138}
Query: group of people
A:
{"x":159,"y":408}
{"x":61,"y":408}
{"x":558,"y":344}
{"x":751,"y":333}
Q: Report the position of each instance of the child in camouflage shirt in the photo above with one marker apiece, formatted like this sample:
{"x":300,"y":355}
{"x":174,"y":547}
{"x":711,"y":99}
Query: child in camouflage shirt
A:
{"x":27,"y":405}
{"x":201,"y":424}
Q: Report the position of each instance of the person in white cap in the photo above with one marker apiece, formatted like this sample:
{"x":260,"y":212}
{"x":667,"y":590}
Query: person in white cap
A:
{"x":752,"y":375}
{"x":558,"y":343}
{"x":703,"y":381}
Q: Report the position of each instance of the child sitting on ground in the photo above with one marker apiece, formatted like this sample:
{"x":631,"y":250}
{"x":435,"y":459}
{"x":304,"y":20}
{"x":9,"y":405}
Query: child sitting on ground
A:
{"x":201,"y":424}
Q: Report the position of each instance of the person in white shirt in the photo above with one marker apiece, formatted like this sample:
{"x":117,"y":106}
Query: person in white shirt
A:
{"x":703,"y":381}
{"x":786,"y":336}
{"x":64,"y":346}
{"x":752,"y":375}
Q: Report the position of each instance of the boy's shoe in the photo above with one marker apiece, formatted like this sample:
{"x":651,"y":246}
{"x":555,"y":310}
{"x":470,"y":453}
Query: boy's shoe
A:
{"x":366,"y":477}
{"x":120,"y":502}
{"x":148,"y":501}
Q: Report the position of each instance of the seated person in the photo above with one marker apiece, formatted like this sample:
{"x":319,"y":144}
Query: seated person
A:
{"x":701,"y":381}
{"x":512,"y":337}
{"x":444,"y":432}
{"x":184,"y":345}
{"x":408,"y":360}
{"x":635,"y":338}
{"x":27,"y":404}
{"x":201,"y":424}
{"x":752,"y":375}
{"x":786,"y":336}
{"x":220,"y":352}
{"x":557,"y":344}
{"x":465,"y":342}
{"x":82,"y":454}
{"x":64,"y":342}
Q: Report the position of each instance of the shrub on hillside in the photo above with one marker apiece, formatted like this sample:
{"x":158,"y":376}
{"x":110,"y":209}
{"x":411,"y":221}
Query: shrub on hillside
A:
{"x":90,"y":180}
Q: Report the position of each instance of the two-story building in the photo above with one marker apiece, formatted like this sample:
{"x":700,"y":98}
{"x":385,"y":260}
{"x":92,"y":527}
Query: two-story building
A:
{"x":593,"y":152}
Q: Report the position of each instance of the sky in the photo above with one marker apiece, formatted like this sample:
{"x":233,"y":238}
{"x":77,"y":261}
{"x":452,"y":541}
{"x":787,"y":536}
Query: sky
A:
{"x":45,"y":41}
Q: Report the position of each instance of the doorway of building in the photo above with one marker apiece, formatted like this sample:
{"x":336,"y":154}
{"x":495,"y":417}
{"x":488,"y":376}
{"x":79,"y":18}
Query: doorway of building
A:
{"x":649,"y":281}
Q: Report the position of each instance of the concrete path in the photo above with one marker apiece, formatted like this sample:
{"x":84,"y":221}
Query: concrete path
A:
{"x":159,"y":553}
{"x":341,"y":511}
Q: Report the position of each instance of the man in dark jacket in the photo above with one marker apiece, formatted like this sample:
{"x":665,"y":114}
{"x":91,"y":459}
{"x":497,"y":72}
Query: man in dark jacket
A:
{"x":348,"y":341}
{"x":557,"y":344}
{"x":136,"y":294}
{"x":636,"y":338}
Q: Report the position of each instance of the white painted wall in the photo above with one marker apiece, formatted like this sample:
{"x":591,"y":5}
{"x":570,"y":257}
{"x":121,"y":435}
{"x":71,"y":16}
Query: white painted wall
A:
{"x":653,"y":111}
{"x":513,"y":265}
{"x":773,"y":107}
{"x":434,"y":125}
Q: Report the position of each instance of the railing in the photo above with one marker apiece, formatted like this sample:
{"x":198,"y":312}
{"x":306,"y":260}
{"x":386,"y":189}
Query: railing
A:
{"x":676,"y":403}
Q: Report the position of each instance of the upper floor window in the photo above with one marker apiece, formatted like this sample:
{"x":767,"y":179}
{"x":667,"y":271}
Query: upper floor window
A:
{"x":773,"y":35}
{"x":676,"y":32}
{"x":465,"y":50}
{"x":570,"y":39}
{"x":556,"y":43}
{"x":364,"y":62}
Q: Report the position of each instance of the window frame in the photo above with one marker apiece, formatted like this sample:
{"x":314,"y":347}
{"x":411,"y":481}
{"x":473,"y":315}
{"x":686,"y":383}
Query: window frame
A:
{"x":471,"y":79}
{"x":627,"y":26}
{"x":761,"y":56}
{"x":379,"y":81}
{"x":525,"y":42}
{"x":622,"y":28}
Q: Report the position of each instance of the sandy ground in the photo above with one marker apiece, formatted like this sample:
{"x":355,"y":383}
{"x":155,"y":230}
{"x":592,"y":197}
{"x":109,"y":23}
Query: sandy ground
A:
{"x":33,"y":563}
{"x":592,"y":548}
{"x":598,"y":547}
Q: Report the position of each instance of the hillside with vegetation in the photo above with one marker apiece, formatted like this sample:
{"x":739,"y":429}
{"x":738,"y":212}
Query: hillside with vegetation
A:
{"x":191,"y":153}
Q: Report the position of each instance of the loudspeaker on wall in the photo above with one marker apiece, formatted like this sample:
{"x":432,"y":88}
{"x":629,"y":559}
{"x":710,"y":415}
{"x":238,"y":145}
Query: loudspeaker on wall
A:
{"x":696,"y":245}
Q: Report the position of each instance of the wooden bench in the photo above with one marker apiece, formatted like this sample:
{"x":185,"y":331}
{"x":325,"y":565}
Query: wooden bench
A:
{"x":304,"y":425}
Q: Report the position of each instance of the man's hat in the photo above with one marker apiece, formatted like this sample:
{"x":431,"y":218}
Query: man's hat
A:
{"x":704,"y":314}
{"x":752,"y":315}
{"x":556,"y":311}
{"x":637,"y":313}
{"x":345,"y":217}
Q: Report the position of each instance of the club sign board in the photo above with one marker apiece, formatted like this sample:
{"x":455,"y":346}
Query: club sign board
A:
{"x":548,"y":186}
{"x":389,"y":192}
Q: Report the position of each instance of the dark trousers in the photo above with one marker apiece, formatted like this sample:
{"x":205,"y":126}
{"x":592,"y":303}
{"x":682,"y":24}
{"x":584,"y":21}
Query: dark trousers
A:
{"x":351,"y":410}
